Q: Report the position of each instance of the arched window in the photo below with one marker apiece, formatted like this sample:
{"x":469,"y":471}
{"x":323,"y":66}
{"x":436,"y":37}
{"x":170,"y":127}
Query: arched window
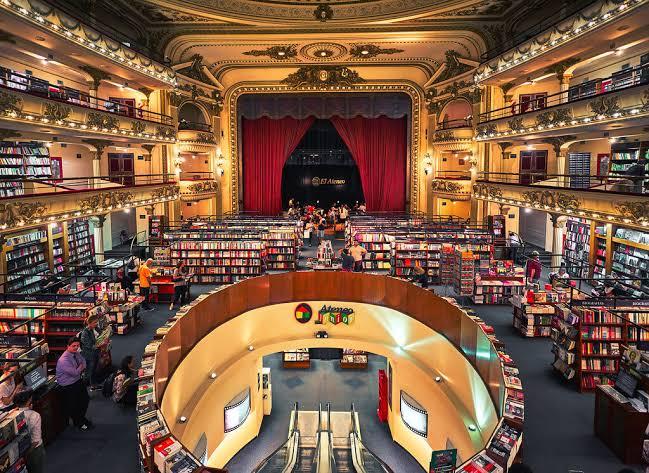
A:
{"x":191,"y":117}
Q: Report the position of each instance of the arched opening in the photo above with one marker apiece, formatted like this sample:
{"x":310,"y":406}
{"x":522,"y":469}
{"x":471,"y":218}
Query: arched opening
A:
{"x":321,"y":169}
{"x":191,"y":117}
{"x":456,"y":114}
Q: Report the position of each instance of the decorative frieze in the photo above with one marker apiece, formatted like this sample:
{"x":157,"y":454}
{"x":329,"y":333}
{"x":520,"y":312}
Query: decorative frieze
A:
{"x":633,"y":209}
{"x":607,"y":106}
{"x":488,"y":191}
{"x":14,"y":214}
{"x":322,"y":76}
{"x":10,"y":103}
{"x":559,"y":201}
{"x":105,"y":201}
{"x":100,"y":121}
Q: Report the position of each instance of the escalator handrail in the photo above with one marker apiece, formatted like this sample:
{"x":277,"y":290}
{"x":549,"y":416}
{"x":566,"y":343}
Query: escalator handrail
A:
{"x":332,"y":458}
{"x":294,"y":431}
{"x":357,"y":437}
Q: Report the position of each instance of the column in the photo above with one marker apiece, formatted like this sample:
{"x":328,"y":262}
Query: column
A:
{"x":565,"y":85}
{"x":92,"y":92}
{"x":558,"y":225}
{"x":98,"y":232}
{"x":99,"y":146}
{"x":562,"y":168}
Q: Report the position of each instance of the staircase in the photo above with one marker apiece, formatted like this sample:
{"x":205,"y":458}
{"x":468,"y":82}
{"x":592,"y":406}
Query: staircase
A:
{"x":545,"y":257}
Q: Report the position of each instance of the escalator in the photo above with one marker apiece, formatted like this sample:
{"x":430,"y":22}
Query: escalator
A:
{"x":363,"y":459}
{"x":305,"y":460}
{"x":284,"y":458}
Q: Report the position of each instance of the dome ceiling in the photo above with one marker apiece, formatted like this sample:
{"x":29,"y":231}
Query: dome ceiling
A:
{"x":261,"y":12}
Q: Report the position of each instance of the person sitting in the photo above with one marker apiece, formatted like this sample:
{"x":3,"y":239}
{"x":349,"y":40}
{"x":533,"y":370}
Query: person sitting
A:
{"x":8,"y":385}
{"x":561,"y":277}
{"x":124,"y":384}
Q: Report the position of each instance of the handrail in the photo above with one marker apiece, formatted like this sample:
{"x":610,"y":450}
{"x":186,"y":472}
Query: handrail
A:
{"x":294,"y":436}
{"x":547,"y":21}
{"x":456,"y":175}
{"x":195,"y":126}
{"x":453,"y":124}
{"x":621,"y":80}
{"x":357,"y":444}
{"x":613,"y":182}
{"x":35,"y":86}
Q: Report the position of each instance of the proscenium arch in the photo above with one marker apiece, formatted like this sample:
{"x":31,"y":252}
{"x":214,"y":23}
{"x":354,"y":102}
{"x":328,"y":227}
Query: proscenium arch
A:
{"x":226,"y":305}
{"x":416,"y":128}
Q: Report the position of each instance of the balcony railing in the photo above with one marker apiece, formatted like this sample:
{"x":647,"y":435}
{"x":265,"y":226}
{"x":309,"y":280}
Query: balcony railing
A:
{"x":452,"y":124}
{"x":635,"y":185}
{"x":621,"y":80}
{"x":27,"y":187}
{"x":42,"y":88}
{"x":549,"y":20}
{"x":196,"y":176}
{"x":453,"y":175}
{"x":194,"y":126}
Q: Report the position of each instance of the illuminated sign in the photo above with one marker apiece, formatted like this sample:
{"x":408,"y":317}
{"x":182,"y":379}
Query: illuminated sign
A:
{"x":335,"y":315}
{"x":303,"y":313}
{"x":327,"y":181}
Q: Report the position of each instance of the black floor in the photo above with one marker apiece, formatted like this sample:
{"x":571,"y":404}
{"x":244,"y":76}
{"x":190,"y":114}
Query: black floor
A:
{"x":558,"y":428}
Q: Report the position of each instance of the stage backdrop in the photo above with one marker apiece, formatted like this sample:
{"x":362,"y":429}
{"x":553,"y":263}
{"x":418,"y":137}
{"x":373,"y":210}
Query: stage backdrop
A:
{"x":377,"y":137}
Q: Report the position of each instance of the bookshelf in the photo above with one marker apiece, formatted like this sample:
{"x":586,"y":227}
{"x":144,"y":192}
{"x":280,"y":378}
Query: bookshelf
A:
{"x":298,"y":358}
{"x":407,"y":255}
{"x":57,"y":237}
{"x":600,"y":335}
{"x":564,"y":337}
{"x":156,"y":228}
{"x":576,"y":247}
{"x":281,"y":249}
{"x":498,"y":289}
{"x":26,"y":255}
{"x":496,"y":225}
{"x":22,"y":160}
{"x":63,"y":321}
{"x":623,"y":155}
{"x":80,"y":248}
{"x":599,"y":259}
{"x":353,"y":359}
{"x":220,"y":258}
{"x":630,"y":263}
{"x":463,"y":272}
{"x":378,"y":244}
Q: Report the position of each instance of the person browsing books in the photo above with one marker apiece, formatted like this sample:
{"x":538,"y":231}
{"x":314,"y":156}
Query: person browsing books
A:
{"x":35,"y":456}
{"x":533,"y":271}
{"x":8,"y":386}
{"x":69,"y":369}
{"x":179,"y":279}
{"x":124,"y":384}
{"x":145,"y":273}
{"x":347,"y":260}
{"x":89,"y":350}
{"x":357,"y":252}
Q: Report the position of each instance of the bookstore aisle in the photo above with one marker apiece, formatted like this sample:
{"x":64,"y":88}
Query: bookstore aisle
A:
{"x":567,"y":443}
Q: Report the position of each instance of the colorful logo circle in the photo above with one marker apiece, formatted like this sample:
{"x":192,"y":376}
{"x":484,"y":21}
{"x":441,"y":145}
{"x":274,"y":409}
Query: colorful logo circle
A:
{"x":303,"y":313}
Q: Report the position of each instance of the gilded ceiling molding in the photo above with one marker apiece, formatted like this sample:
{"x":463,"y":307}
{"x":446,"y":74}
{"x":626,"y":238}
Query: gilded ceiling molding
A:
{"x":323,"y":51}
{"x":97,"y":75}
{"x":414,"y":92}
{"x":367,"y":51}
{"x":322,"y":77}
{"x":484,"y":7}
{"x":452,"y":67}
{"x":323,"y":13}
{"x":195,"y":70}
{"x":279,"y":53}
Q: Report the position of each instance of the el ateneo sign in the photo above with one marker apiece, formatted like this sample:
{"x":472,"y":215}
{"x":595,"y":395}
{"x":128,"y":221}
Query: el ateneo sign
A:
{"x":328,"y":314}
{"x":327,"y":181}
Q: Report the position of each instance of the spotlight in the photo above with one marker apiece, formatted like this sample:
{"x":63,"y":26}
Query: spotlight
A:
{"x":321,"y":334}
{"x":472,"y":427}
{"x":212,"y":375}
{"x":438,"y":379}
{"x":250,"y":348}
{"x":182,"y":419}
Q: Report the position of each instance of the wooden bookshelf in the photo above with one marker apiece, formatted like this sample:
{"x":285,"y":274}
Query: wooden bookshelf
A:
{"x":353,"y":359}
{"x":576,"y":247}
{"x":22,"y":160}
{"x":26,"y":256}
{"x":80,"y":248}
{"x":463,"y":272}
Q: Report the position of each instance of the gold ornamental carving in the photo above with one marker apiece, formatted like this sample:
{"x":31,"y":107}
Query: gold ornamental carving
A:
{"x":552,"y":200}
{"x":487,"y":191}
{"x":10,"y":103}
{"x":167,"y":192}
{"x":322,"y":76}
{"x":105,"y":201}
{"x":635,"y":210}
{"x":56,"y":112}
{"x":203,"y":187}
{"x":450,"y":187}
{"x":12,"y":214}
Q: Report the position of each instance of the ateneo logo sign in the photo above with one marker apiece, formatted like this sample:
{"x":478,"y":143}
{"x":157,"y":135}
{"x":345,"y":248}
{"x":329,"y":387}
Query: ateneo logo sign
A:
{"x":335,"y":315}
{"x":327,"y":181}
{"x":303,"y":313}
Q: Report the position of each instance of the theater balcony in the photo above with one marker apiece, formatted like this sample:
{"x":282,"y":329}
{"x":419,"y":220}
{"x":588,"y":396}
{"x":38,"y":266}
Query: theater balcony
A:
{"x":197,"y":186}
{"x":41,"y":27}
{"x":453,"y":135}
{"x":454,"y":186}
{"x":36,"y":201}
{"x":618,"y":101}
{"x":607,"y":199}
{"x":27,"y":101}
{"x":591,"y":29}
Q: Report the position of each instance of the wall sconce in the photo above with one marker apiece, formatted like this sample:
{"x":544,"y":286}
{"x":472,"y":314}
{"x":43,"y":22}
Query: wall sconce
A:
{"x":220,"y":160}
{"x":428,"y":164}
{"x":177,"y":163}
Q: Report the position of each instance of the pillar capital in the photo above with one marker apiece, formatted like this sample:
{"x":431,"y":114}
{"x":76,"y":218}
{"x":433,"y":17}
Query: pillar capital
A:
{"x":558,"y":220}
{"x":99,"y":220}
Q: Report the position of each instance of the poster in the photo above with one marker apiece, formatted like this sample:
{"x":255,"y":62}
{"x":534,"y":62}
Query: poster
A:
{"x":443,"y":461}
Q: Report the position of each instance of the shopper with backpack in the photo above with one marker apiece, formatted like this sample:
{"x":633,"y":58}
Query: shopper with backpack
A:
{"x":121,"y":386}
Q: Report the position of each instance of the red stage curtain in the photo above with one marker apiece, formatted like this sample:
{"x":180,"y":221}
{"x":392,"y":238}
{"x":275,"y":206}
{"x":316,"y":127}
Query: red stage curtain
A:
{"x":378,"y":146}
{"x":267,"y":144}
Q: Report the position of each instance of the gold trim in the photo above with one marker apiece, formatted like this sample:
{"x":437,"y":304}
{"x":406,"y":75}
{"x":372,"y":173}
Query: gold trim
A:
{"x":415,"y":93}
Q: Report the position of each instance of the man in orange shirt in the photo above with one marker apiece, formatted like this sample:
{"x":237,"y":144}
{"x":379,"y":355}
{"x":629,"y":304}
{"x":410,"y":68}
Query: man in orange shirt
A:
{"x":145,"y":272}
